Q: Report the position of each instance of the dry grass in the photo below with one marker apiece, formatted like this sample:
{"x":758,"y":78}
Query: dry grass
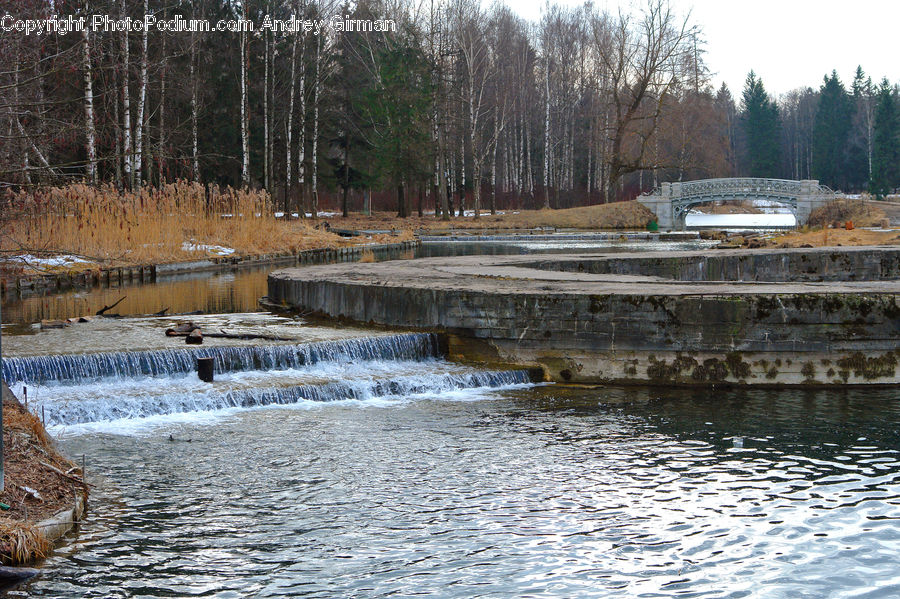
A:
{"x":838,"y":212}
{"x":150,"y":225}
{"x":834,"y":237}
{"x":26,"y":448}
{"x":619,"y":215}
{"x":21,"y":543}
{"x":367,"y":257}
{"x":20,"y":420}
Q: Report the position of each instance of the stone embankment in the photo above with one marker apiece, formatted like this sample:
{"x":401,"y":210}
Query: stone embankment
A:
{"x":26,"y":286}
{"x":824,"y":316}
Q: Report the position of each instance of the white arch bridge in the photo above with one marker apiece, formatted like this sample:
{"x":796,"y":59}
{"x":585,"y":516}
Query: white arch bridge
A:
{"x":671,"y":201}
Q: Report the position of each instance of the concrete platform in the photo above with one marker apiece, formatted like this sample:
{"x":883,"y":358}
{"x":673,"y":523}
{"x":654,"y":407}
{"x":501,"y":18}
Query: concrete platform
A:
{"x":825,"y":316}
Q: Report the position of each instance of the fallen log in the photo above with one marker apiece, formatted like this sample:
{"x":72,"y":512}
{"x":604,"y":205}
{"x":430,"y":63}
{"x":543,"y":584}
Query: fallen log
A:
{"x":181,"y":330}
{"x":225,"y":335}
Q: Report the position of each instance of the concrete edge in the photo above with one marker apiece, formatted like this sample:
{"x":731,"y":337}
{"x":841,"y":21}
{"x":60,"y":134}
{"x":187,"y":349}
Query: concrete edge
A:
{"x":57,"y":525}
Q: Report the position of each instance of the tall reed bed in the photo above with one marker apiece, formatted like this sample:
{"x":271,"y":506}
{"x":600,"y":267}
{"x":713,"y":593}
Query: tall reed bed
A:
{"x":149,"y":224}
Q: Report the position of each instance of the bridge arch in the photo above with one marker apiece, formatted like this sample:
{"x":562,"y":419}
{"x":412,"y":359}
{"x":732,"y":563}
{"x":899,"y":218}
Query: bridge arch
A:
{"x":671,"y":201}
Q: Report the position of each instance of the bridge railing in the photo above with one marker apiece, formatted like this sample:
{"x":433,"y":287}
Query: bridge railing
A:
{"x":737,"y":186}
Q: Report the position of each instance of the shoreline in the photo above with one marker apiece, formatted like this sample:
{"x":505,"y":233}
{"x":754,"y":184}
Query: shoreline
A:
{"x":40,"y":479}
{"x":25,"y":286}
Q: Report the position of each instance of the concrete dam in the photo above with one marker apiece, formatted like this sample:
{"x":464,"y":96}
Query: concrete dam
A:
{"x":806,"y":317}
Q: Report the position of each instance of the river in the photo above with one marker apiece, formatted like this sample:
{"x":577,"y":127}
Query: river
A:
{"x":347,"y":463}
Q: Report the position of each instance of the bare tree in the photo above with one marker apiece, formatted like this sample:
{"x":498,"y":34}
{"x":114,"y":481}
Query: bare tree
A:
{"x":644,"y":59}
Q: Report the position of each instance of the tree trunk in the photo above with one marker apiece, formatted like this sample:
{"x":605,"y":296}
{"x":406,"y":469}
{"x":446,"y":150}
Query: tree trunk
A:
{"x":528,"y":184}
{"x":117,"y":130}
{"x":547,"y":136}
{"x":462,"y":171}
{"x":496,"y":142}
{"x":90,"y":129}
{"x":301,"y":139}
{"x":442,"y":188}
{"x":142,"y":102}
{"x":421,"y":200}
{"x":266,"y":182}
{"x":590,"y":150}
{"x":401,"y":202}
{"x":128,"y":161}
{"x":345,"y":209}
{"x":161,"y":163}
{"x":289,"y":125}
{"x":245,"y":116}
{"x":314,"y":200}
{"x":195,"y":154}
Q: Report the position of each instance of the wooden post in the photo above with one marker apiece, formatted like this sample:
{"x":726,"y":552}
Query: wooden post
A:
{"x":205,"y":369}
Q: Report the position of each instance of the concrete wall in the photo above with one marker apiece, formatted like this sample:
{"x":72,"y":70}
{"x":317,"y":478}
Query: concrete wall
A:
{"x":851,"y":264}
{"x":810,"y":338}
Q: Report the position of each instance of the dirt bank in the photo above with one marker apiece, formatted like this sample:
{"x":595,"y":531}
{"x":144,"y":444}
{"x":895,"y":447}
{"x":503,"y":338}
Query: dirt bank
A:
{"x":39,"y":483}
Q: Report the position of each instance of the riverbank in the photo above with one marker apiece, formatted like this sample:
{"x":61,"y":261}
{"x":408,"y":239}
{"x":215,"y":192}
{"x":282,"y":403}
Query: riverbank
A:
{"x":23,"y":285}
{"x":43,"y":488}
{"x":80,"y":228}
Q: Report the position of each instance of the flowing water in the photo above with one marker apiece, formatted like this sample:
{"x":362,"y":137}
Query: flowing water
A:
{"x":348,"y":463}
{"x":512,"y":491}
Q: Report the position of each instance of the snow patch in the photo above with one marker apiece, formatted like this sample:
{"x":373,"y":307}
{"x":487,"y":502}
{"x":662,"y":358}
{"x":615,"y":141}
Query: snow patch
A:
{"x":747,"y":221}
{"x":218,"y":250}
{"x":63,"y":260}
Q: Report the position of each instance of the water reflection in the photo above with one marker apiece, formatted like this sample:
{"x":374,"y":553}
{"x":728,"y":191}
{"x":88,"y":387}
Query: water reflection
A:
{"x":206,"y":292}
{"x":240,"y":290}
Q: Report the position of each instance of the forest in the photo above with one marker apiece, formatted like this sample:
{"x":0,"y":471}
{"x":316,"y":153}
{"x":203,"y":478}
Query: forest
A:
{"x":435,"y":105}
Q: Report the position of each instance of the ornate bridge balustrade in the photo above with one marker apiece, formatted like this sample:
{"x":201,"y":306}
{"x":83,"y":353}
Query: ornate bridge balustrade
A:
{"x":672,"y":201}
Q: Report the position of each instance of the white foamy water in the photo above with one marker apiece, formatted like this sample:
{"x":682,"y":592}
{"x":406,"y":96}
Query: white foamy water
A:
{"x":126,"y":392}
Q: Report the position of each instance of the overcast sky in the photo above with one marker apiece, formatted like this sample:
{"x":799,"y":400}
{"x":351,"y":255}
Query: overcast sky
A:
{"x":789,"y":43}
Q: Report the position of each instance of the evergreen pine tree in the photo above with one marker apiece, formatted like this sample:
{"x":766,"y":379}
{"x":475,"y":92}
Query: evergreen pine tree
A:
{"x":762,"y":129}
{"x":831,"y":133}
{"x":860,"y":142}
{"x":886,"y":144}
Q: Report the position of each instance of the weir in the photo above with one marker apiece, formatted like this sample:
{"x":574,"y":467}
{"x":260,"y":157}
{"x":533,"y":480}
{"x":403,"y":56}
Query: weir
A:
{"x":78,"y":368}
{"x":109,"y":409}
{"x":806,"y":317}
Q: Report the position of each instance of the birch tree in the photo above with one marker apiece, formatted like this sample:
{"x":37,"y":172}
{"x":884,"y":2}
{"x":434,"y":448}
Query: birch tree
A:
{"x":245,"y":116}
{"x":142,"y":102}
{"x":90,"y":130}
{"x":128,"y":158}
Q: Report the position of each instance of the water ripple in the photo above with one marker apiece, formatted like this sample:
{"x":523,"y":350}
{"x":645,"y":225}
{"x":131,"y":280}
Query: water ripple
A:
{"x":596,"y":494}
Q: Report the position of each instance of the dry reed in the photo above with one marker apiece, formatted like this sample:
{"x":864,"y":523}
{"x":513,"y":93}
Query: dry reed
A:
{"x":150,"y":224}
{"x":21,"y":543}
